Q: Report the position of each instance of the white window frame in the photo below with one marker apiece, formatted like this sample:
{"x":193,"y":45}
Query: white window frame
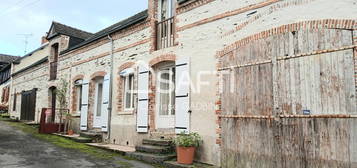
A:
{"x":126,"y":89}
{"x":78,"y":87}
{"x":79,"y":98}
{"x":98,"y":81}
{"x":171,"y":94}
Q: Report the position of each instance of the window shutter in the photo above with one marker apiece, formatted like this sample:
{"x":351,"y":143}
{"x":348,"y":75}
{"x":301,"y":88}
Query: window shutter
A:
{"x":143,"y":100}
{"x":105,"y":103}
{"x":84,"y":110}
{"x":182,"y":89}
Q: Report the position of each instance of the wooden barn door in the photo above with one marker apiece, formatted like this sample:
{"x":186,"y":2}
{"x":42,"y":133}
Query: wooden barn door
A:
{"x":289,"y":100}
{"x":28,"y":105}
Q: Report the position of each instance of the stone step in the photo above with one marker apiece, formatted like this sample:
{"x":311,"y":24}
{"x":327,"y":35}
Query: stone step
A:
{"x":95,"y":136}
{"x":157,"y":142}
{"x":82,"y":139}
{"x":151,"y":158}
{"x":174,"y":164}
{"x":154,"y":149}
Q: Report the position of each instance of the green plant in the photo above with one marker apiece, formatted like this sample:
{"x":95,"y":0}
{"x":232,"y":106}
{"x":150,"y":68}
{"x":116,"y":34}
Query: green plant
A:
{"x":61,"y":94}
{"x":188,"y":140}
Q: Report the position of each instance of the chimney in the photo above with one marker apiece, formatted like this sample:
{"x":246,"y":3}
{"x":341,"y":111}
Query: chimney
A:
{"x":43,"y":39}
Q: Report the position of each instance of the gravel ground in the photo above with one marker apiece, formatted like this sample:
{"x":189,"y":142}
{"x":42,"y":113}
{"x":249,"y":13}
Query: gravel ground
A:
{"x":21,"y":150}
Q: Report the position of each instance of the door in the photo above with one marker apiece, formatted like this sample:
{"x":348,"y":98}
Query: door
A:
{"x":28,"y":105}
{"x":98,"y":103}
{"x":166,"y":97}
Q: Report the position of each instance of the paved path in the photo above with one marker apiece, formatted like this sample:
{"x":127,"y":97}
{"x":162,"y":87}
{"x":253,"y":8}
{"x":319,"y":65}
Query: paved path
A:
{"x":20,"y":150}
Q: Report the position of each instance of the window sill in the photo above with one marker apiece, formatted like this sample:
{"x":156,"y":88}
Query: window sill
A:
{"x":78,"y":114}
{"x":127,"y":112}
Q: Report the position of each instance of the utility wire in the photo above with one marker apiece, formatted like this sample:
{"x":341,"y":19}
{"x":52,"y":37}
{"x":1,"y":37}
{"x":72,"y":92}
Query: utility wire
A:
{"x":20,"y":7}
{"x":11,"y":7}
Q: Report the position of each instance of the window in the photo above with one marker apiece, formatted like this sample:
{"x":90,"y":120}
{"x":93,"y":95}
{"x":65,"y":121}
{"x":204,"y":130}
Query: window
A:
{"x":165,"y":27}
{"x":99,"y":98}
{"x":166,"y":9}
{"x":129,"y":92}
{"x":53,"y":64}
{"x":78,"y":87}
{"x":167,"y":91}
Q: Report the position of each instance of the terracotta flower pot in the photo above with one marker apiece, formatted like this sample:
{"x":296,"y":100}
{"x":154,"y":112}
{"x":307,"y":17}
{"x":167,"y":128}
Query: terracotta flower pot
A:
{"x":70,"y":132}
{"x":185,"y":155}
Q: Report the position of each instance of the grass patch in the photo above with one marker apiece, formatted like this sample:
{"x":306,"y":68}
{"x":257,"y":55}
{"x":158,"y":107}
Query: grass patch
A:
{"x":124,"y":164}
{"x":66,"y":143}
{"x":4,"y":115}
{"x":70,"y":144}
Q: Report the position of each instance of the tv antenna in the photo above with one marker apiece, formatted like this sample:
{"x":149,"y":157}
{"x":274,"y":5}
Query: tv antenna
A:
{"x":26,"y":40}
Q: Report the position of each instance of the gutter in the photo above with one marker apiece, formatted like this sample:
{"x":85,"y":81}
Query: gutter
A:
{"x":30,"y":66}
{"x":110,"y":87}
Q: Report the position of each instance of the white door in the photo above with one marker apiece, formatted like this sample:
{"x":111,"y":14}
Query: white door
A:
{"x":182,"y":103}
{"x":143,"y":100}
{"x":98,"y":103}
{"x":105,"y":103}
{"x":165,"y":99}
{"x":84,"y":107}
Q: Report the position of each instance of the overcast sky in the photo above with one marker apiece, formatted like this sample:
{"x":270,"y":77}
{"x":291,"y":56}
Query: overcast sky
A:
{"x":35,"y":17}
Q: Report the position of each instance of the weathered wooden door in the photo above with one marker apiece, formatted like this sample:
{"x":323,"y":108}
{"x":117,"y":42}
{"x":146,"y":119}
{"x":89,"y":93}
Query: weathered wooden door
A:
{"x":289,"y":100}
{"x":28,"y":105}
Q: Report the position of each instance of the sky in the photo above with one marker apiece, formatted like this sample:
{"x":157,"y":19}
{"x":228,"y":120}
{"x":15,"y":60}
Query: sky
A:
{"x":18,"y":17}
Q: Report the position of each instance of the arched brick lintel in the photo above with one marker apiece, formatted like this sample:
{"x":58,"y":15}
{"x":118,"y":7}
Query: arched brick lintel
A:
{"x":98,"y":74}
{"x":125,"y":65}
{"x":162,"y":58}
{"x":304,"y":25}
{"x":78,"y":77}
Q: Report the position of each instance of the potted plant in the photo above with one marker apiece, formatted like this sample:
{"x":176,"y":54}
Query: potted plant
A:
{"x":186,"y":145}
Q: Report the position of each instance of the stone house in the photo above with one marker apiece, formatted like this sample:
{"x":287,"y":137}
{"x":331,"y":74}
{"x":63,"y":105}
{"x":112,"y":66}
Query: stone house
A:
{"x":5,"y":80}
{"x":116,"y":75}
{"x":32,"y":75}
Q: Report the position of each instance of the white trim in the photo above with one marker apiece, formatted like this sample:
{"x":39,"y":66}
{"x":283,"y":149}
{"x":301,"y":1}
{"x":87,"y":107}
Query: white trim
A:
{"x":96,"y":123}
{"x":79,"y":90}
{"x":169,"y":119}
{"x":126,"y":85}
{"x":126,"y":72}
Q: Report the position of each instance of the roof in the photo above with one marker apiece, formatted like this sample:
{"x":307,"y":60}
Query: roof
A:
{"x":59,"y":28}
{"x":113,"y":28}
{"x":17,"y":61}
{"x":31,"y":66}
{"x":6,"y":60}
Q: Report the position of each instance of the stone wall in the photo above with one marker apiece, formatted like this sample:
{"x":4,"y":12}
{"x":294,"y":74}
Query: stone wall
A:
{"x":36,"y":77}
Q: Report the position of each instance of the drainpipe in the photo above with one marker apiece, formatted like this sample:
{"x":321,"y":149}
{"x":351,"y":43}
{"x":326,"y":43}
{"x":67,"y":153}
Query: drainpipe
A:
{"x":110,"y":87}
